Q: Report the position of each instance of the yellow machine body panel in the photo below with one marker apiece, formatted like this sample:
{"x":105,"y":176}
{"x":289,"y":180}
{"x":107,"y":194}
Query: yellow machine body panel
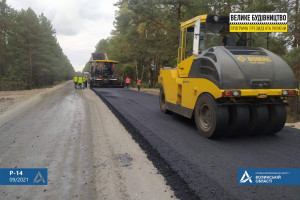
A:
{"x":192,"y":21}
{"x":184,"y":67}
{"x":185,"y":91}
{"x":193,"y":87}
{"x":171,"y":82}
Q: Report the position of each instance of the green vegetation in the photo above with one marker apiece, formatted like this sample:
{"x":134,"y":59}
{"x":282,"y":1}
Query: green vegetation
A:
{"x":147,"y":32}
{"x":30,"y":56}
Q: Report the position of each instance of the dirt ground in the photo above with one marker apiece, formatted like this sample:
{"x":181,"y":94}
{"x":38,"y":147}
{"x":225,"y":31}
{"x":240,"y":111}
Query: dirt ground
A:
{"x":88,"y":153}
{"x":294,"y":125}
{"x":9,"y":98}
{"x":148,"y":90}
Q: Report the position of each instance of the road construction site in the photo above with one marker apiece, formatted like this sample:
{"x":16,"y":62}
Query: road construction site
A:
{"x":115,"y":143}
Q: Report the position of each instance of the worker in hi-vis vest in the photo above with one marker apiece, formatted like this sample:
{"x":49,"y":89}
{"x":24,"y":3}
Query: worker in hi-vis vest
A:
{"x":75,"y":81}
{"x":127,"y":81}
{"x":139,"y":84}
{"x":85,"y":79}
{"x":83,"y":82}
{"x":80,"y":83}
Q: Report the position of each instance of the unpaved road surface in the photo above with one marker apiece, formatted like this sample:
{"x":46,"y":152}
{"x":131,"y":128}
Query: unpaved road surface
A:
{"x":52,"y":134}
{"x":208,"y":167}
{"x":10,"y":98}
{"x":88,"y":153}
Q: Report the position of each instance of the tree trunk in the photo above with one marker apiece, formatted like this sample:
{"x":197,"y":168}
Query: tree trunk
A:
{"x":143,"y":70}
{"x":179,"y":10}
{"x":30,"y":63}
{"x":2,"y":62}
{"x":2,"y":38}
{"x":136,"y":70}
{"x":296,"y":31}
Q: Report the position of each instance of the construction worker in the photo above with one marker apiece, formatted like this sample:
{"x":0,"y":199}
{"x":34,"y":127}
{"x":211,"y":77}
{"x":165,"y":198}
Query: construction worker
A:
{"x":80,"y":83}
{"x":139,"y":84}
{"x":127,"y":81}
{"x":75,"y":81}
{"x":85,"y":81}
{"x":228,"y":38}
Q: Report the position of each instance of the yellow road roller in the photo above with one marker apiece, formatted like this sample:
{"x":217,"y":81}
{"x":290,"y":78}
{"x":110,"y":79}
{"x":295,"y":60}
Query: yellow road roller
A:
{"x":234,"y":89}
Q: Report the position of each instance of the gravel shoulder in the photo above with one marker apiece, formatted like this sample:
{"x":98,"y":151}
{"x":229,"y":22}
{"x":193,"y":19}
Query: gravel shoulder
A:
{"x":122,"y":168}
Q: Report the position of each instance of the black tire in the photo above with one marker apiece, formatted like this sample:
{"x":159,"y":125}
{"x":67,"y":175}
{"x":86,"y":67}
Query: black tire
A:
{"x":211,"y":120}
{"x":239,"y":120}
{"x":259,"y":117}
{"x":162,"y":101}
{"x":277,"y":119}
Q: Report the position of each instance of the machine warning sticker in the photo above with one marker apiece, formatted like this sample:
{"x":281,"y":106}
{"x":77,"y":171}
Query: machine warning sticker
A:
{"x":254,"y":59}
{"x":258,"y":22}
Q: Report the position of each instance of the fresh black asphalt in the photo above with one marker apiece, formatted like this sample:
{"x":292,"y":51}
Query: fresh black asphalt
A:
{"x":196,"y":167}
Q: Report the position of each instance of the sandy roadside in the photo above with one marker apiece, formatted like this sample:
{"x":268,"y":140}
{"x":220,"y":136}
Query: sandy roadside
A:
{"x":154,"y":91}
{"x":13,"y":103}
{"x":122,"y":168}
{"x":293,"y":125}
{"x":10,"y":98}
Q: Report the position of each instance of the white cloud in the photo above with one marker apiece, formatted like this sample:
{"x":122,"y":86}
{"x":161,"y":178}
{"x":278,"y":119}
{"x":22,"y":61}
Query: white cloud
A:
{"x":79,"y":24}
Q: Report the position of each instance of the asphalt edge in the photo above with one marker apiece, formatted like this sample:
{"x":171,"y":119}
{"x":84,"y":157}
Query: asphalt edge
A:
{"x":172,"y":178}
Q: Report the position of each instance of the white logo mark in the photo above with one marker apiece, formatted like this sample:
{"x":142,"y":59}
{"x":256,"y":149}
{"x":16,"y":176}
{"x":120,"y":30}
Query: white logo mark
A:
{"x":39,"y":175}
{"x":246,"y":178}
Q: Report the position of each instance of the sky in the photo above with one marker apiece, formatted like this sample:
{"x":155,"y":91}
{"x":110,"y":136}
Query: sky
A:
{"x":79,"y":24}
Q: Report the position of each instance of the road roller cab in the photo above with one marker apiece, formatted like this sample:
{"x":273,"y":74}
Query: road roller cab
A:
{"x":229,"y":90}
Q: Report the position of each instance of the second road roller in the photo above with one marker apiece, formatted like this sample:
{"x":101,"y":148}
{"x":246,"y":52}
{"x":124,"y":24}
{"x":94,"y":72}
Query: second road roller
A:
{"x":228,"y":86}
